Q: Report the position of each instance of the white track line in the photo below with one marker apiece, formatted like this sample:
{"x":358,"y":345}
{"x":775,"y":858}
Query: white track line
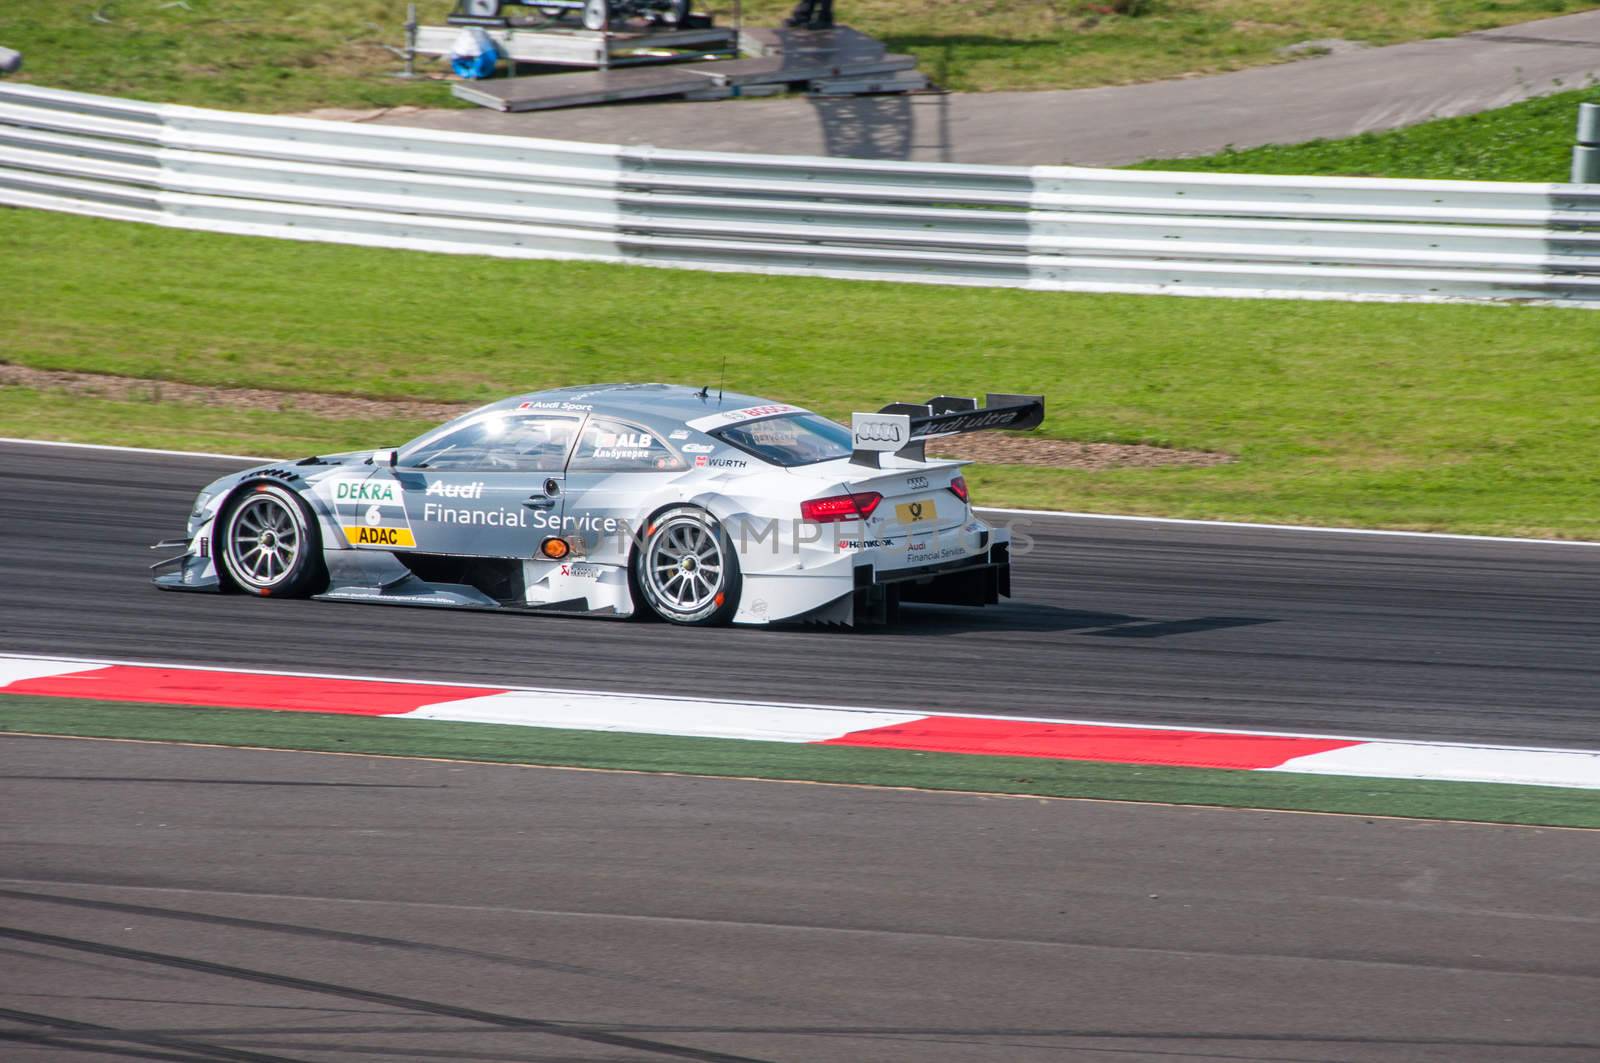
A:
{"x":1073,"y":514}
{"x":1420,"y":760}
{"x":1290,"y":527}
{"x":131,"y":450}
{"x":677,"y":717}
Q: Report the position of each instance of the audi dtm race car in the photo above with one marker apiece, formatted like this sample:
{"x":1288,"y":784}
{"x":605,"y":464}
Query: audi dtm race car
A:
{"x":610,"y":499}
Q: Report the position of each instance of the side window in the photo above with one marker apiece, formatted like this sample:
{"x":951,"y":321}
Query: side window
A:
{"x":612,"y":446}
{"x":501,"y":442}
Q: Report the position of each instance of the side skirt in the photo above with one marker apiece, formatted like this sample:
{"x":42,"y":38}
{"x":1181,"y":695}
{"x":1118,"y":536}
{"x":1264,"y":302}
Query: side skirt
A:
{"x":416,"y":592}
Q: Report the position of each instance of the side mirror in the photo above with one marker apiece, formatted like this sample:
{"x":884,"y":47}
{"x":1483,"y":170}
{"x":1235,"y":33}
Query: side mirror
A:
{"x":385,"y":457}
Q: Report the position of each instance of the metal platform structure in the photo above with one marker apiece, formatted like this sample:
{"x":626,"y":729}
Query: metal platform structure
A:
{"x":553,"y":44}
{"x":838,"y":61}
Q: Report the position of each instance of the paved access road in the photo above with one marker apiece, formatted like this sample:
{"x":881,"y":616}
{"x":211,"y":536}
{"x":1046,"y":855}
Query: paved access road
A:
{"x":177,"y":903}
{"x":1160,"y":623}
{"x":1332,"y":96}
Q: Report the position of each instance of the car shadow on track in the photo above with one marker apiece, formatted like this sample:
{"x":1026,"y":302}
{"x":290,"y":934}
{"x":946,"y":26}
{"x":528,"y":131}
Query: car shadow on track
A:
{"x":1025,"y":616}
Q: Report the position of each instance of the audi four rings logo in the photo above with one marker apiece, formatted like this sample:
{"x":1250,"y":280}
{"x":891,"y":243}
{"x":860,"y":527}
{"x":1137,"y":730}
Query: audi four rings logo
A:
{"x":879,"y":432}
{"x":916,"y":483}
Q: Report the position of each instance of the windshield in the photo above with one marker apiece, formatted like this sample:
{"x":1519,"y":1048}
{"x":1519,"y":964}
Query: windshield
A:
{"x":799,"y":439}
{"x":508,"y":442}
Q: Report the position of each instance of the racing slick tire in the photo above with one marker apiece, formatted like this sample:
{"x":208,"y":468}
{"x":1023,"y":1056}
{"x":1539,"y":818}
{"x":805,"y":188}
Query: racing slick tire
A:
{"x":686,"y":568}
{"x":269,"y":544}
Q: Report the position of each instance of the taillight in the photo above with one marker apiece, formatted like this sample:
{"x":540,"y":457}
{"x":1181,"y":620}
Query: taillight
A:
{"x":958,"y":487}
{"x":840,"y":507}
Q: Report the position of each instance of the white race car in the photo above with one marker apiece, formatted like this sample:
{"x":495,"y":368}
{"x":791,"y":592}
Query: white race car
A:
{"x":700,"y":507}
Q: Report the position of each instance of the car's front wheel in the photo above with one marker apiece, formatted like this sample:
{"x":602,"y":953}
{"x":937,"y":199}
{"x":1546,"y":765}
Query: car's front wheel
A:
{"x":270,"y":545}
{"x":686,"y":568}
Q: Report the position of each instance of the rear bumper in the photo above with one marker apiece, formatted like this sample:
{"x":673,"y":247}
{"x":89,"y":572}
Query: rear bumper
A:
{"x":978,"y":579}
{"x":997,"y":558}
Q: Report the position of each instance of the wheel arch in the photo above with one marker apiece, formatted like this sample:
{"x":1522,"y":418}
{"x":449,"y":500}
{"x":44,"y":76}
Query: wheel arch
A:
{"x":327,"y":520}
{"x":703,"y":501}
{"x":640,"y":606}
{"x":327,"y":528}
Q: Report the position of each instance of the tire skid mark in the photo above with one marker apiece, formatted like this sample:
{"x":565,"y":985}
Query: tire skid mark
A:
{"x":373,"y":940}
{"x":98,"y":1034}
{"x":284,"y":981}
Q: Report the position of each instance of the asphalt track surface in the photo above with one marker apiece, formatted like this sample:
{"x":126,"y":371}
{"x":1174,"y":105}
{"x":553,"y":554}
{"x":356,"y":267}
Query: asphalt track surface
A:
{"x":1288,"y":103}
{"x":1179,"y":624}
{"x":183,"y":903}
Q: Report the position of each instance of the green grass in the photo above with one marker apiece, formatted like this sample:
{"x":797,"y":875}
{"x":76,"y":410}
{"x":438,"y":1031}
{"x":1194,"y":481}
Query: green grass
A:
{"x":279,"y":56}
{"x":1488,"y":803}
{"x":1527,"y":141}
{"x":1464,"y":418}
{"x":30,"y":414}
{"x":258,"y":55}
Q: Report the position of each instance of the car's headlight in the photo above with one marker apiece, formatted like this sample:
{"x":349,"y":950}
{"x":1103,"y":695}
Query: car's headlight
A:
{"x":203,"y":506}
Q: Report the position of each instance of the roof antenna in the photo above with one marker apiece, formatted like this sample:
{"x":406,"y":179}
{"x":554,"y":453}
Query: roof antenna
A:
{"x":722,"y":376}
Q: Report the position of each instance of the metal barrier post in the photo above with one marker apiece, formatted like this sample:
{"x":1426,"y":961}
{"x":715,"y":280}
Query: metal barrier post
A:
{"x":409,"y":52}
{"x":1586,"y":156}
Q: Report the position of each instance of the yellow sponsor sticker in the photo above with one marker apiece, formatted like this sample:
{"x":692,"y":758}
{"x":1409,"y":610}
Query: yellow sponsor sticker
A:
{"x":917,"y":512}
{"x":362,"y":536}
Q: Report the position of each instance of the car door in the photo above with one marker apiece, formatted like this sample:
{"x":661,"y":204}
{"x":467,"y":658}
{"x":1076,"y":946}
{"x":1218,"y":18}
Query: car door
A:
{"x":492,"y":487}
{"x":616,"y":472}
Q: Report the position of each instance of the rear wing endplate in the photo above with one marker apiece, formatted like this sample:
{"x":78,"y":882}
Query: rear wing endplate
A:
{"x":903,"y":428}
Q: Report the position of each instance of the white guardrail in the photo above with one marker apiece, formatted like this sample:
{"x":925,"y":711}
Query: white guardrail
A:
{"x":1041,"y":227}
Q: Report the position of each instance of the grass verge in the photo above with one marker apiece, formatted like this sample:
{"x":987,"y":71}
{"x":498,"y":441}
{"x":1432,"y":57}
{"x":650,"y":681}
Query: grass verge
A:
{"x":268,"y":56}
{"x":30,"y":414}
{"x":1527,"y":141}
{"x":255,"y":55}
{"x":497,"y":743}
{"x":1451,"y":418}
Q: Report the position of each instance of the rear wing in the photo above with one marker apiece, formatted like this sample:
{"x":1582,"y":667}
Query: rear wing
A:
{"x":904,"y":428}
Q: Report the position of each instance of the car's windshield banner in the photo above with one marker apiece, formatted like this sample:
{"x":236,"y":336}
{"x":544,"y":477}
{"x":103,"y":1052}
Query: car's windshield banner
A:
{"x":749,"y":413}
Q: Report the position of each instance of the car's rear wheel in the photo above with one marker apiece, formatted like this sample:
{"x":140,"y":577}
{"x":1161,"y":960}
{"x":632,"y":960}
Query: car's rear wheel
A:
{"x":686,"y":568}
{"x":270,"y":544}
